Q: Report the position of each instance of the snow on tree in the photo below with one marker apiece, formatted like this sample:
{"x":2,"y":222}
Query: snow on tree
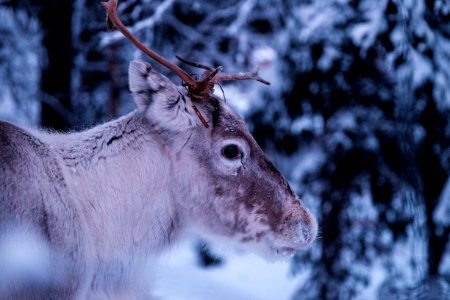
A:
{"x":358,"y":116}
{"x":19,"y":55}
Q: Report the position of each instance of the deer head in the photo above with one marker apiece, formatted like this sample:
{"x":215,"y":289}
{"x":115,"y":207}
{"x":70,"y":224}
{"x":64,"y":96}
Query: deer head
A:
{"x":224,"y":184}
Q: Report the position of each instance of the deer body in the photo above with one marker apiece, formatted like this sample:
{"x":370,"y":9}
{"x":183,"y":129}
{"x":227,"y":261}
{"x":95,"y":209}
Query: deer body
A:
{"x":109,"y":199}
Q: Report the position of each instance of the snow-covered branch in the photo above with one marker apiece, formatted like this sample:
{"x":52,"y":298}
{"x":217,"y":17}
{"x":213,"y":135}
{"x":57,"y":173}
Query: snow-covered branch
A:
{"x":113,"y":37}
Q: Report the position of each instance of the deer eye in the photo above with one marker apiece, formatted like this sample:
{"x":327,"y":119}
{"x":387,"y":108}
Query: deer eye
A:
{"x":231,"y":151}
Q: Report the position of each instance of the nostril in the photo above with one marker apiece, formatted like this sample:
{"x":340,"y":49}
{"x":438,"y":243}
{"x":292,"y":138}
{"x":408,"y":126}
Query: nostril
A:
{"x":306,"y":233}
{"x":303,"y":232}
{"x":307,"y":230}
{"x":300,"y":227}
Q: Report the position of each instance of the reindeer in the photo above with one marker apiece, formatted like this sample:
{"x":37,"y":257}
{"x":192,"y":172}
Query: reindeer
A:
{"x":108,"y":200}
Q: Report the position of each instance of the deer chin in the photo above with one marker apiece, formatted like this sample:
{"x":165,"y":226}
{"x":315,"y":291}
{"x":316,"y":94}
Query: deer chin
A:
{"x":270,"y":248}
{"x":285,"y":251}
{"x":271,"y":252}
{"x":282,"y":250}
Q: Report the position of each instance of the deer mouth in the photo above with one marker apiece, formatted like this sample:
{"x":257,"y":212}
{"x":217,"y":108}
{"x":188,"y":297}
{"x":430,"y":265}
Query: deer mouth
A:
{"x":286,"y":251}
{"x":282,"y":251}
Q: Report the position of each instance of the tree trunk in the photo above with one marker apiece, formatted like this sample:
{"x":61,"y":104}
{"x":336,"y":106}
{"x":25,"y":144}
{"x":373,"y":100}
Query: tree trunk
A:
{"x":56,"y":20}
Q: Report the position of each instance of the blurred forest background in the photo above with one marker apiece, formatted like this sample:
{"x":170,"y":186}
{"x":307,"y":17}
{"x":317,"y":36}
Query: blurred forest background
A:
{"x":357,"y":116}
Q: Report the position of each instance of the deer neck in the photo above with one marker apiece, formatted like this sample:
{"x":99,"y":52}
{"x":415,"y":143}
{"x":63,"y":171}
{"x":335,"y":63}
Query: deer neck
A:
{"x":120,"y":173}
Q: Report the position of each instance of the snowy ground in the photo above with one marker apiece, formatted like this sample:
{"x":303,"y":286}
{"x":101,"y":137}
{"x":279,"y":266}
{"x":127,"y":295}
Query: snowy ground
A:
{"x":242,"y":276}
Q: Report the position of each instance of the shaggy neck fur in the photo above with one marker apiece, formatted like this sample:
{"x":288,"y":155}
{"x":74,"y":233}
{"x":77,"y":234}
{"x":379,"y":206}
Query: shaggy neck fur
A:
{"x":119,"y":172}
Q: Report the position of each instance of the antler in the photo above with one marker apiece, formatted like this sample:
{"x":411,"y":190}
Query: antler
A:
{"x":198,"y":89}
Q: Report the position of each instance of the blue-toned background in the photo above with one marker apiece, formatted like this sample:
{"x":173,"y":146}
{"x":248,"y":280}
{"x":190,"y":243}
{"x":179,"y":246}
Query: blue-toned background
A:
{"x":357,"y":117}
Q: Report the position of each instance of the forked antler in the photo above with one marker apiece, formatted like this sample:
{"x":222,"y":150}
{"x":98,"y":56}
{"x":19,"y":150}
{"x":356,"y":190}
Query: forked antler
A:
{"x":197,"y":89}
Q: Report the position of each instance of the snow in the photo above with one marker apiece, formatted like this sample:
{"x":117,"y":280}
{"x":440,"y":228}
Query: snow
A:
{"x":244,"y":276}
{"x":244,"y":98}
{"x":442,"y":74}
{"x":364,"y":34}
{"x":444,"y":268}
{"x":343,"y":120}
{"x":362,"y":208}
{"x":378,"y":275}
{"x":24,"y":259}
{"x":280,"y":56}
{"x":20,"y":47}
{"x":328,"y":58}
{"x":305,"y":163}
{"x":8,"y":106}
{"x":442,"y":211}
{"x":315,"y":18}
{"x":422,"y":68}
{"x":265,"y":60}
{"x":263,"y":55}
{"x":246,"y":8}
{"x":247,"y":96}
{"x":236,"y":98}
{"x":314,"y":124}
{"x":112,"y":37}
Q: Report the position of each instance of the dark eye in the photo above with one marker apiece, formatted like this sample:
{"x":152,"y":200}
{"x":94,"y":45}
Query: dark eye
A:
{"x":231,"y":152}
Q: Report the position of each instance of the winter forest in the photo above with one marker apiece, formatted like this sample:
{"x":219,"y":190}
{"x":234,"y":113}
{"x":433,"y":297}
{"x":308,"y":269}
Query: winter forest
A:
{"x":357,"y":115}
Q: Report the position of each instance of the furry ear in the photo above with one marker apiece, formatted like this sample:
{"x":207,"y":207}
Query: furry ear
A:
{"x":161,"y":101}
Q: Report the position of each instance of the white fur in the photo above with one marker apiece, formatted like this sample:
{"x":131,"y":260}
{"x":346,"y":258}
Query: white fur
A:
{"x":108,"y":200}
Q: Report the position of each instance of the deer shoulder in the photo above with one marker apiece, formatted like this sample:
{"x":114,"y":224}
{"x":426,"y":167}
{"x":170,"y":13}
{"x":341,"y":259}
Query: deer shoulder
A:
{"x":105,"y":201}
{"x":36,"y":206}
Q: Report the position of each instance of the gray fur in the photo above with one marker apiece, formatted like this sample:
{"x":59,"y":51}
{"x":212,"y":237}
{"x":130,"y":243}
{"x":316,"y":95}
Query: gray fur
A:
{"x":107,"y":199}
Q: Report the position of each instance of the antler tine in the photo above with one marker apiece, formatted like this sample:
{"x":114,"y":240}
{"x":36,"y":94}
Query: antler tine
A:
{"x":194,"y":64}
{"x":198,"y":89}
{"x":222,"y":76}
{"x":112,"y":17}
{"x":240,"y":76}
